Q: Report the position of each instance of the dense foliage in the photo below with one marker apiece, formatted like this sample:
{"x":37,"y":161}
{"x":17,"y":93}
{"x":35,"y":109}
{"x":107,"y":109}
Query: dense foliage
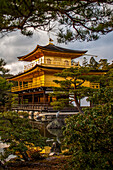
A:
{"x":73,"y":87}
{"x":3,"y":70}
{"x":74,"y":20}
{"x":17,"y":132}
{"x":90,"y":138}
{"x":5,"y":95}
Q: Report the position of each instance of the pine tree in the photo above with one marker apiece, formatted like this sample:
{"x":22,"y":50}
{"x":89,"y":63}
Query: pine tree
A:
{"x":89,"y":137}
{"x":17,"y":132}
{"x":72,"y":88}
{"x":85,"y":62}
{"x":3,"y":70}
{"x":103,"y":64}
{"x":83,"y":20}
{"x":93,"y":63}
{"x":5,"y":95}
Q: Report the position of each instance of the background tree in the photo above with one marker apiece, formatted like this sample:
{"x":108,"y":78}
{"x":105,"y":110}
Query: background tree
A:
{"x":5,"y":86}
{"x":93,"y":64}
{"x":103,"y":64}
{"x":107,"y":79}
{"x":76,"y":20}
{"x":85,"y":62}
{"x":5,"y":95}
{"x":111,"y":65}
{"x":3,"y":70}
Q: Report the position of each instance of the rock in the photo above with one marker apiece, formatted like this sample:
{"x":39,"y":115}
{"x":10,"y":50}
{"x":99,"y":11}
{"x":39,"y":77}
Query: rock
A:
{"x":51,"y":158}
{"x":56,"y":124}
{"x":49,"y":140}
{"x":55,"y":149}
{"x":52,"y":154}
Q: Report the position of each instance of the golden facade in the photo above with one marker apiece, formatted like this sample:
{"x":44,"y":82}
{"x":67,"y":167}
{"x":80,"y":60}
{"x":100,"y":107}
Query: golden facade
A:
{"x":36,"y":82}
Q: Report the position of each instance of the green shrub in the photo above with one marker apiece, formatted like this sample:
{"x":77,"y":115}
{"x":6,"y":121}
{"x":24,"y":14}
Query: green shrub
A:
{"x":90,"y":138}
{"x":24,"y":114}
{"x":19,"y":135}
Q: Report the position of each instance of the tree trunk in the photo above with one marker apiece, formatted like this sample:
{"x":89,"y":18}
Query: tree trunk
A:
{"x":77,"y":104}
{"x":25,"y":156}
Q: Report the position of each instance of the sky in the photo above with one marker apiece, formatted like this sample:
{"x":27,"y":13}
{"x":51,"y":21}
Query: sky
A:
{"x":15,"y":44}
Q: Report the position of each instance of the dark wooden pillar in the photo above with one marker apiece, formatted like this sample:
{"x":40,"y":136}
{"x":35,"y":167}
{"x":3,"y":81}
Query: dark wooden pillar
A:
{"x":44,"y":98}
{"x":19,"y":100}
{"x":22,"y":99}
{"x":18,"y":85}
{"x":32,"y":98}
{"x":22,"y":84}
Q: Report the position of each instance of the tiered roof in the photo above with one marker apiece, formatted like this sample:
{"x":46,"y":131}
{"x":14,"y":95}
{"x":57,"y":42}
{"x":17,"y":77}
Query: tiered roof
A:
{"x":51,"y":49}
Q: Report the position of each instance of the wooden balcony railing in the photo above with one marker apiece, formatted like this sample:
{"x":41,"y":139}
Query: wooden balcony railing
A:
{"x":51,"y":63}
{"x":42,"y":84}
{"x":33,"y":85}
{"x":26,"y":86}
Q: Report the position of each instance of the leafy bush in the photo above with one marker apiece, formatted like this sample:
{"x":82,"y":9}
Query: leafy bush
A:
{"x":24,"y":114}
{"x":90,"y":138}
{"x":19,"y":135}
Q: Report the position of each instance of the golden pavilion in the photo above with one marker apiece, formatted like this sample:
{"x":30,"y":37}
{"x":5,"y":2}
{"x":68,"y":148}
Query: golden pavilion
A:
{"x":36,"y":82}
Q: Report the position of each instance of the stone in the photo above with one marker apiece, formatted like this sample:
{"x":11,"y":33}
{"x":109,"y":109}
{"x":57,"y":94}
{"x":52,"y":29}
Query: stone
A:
{"x":52,"y":154}
{"x":56,"y":124}
{"x":56,"y":148}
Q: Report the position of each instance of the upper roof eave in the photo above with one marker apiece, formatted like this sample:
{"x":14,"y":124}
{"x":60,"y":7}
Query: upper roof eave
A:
{"x":24,"y":56}
{"x":52,"y":48}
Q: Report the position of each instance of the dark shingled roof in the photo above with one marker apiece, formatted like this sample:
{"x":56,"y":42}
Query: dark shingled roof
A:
{"x":51,"y":47}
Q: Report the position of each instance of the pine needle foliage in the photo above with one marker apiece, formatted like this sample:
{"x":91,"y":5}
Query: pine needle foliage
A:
{"x":72,"y":87}
{"x":89,"y":137}
{"x":71,"y":20}
{"x":17,"y":132}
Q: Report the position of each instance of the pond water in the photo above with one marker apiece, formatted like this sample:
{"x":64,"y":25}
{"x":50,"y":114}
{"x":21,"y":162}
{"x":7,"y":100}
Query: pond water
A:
{"x":51,"y":134}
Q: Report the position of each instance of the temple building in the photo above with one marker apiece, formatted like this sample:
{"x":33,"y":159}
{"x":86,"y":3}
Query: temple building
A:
{"x":36,"y":81}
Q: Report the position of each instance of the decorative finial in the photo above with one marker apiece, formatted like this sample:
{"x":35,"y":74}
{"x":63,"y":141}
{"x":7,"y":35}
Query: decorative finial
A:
{"x":50,"y":41}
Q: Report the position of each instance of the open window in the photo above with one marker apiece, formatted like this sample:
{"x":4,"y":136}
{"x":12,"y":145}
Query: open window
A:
{"x":48,"y":61}
{"x":66,"y":63}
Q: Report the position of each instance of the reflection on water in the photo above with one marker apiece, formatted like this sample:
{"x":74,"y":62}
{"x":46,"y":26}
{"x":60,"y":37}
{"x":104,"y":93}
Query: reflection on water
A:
{"x":58,"y":133}
{"x":51,"y":134}
{"x":55,"y":132}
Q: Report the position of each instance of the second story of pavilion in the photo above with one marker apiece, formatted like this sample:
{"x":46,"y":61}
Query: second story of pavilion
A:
{"x":51,"y":56}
